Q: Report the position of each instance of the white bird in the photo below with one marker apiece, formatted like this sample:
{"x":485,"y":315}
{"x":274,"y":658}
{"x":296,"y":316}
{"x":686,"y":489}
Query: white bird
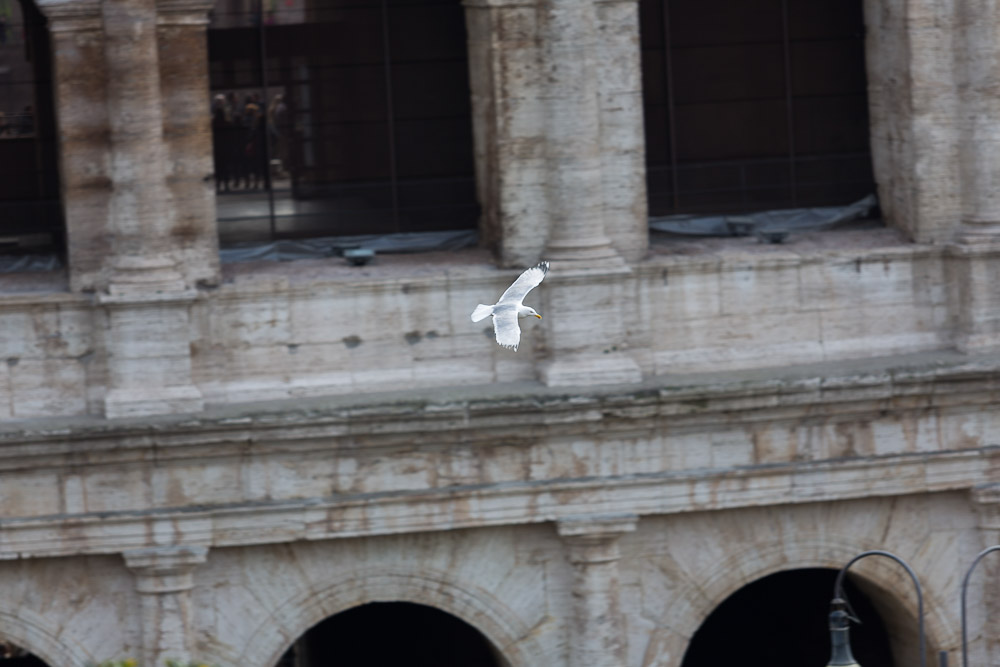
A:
{"x":509,"y":308}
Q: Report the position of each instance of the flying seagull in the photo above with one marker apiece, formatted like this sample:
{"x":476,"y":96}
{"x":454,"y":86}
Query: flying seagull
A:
{"x":509,"y":308}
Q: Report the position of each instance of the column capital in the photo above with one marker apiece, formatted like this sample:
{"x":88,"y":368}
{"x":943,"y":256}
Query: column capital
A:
{"x":72,"y":15}
{"x":165,"y":569}
{"x":594,"y":538}
{"x":183,"y":12}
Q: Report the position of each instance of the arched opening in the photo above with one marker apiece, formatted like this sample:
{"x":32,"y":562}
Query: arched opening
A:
{"x":781,"y":620}
{"x":12,"y":655}
{"x":387,"y":634}
{"x":30,"y":214}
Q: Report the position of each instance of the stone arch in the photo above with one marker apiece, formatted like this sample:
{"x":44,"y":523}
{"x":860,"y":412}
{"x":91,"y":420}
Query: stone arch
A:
{"x":887,"y":585}
{"x":512,"y":638}
{"x":34,"y":633}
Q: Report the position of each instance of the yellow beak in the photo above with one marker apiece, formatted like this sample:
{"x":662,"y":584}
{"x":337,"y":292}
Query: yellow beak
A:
{"x":538,"y":316}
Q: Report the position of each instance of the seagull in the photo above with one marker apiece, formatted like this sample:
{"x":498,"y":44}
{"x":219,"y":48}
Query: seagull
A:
{"x":509,"y":308}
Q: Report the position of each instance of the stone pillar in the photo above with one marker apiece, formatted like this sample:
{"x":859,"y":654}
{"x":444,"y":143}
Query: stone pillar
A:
{"x":623,"y":139}
{"x":80,"y":91}
{"x":163,"y":578}
{"x":569,"y":49}
{"x":597,"y":636}
{"x":508,"y":127}
{"x":585,"y":290}
{"x":978,"y":73}
{"x":147,"y":298}
{"x":913,"y":111}
{"x":187,"y":133}
{"x":984,"y":587}
{"x":974,"y":259}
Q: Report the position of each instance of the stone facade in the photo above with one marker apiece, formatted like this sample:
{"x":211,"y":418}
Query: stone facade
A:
{"x":204,"y":462}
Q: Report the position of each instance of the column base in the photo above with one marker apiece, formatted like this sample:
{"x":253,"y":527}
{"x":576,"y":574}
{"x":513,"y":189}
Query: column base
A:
{"x":590,"y":370}
{"x":144,"y":402}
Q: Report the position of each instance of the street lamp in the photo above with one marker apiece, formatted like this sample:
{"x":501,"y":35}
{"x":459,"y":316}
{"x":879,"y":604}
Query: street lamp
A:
{"x":840,"y":617}
{"x":965,"y":586}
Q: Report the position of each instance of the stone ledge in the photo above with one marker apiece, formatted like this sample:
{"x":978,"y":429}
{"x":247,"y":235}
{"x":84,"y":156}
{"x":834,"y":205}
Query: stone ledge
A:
{"x":919,"y":380}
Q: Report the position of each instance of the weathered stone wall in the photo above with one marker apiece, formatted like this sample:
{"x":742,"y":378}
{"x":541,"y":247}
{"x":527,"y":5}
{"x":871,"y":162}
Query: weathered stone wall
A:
{"x":687,"y":418}
{"x":514,"y":584}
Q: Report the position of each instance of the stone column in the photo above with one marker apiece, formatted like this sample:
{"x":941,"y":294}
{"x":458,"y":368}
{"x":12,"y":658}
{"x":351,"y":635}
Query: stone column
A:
{"x":978,"y":73}
{"x":597,"y":638}
{"x":163,"y":578}
{"x":569,"y":49}
{"x":623,"y":139}
{"x":588,"y":283}
{"x":187,"y":133}
{"x":80,"y":91}
{"x":914,"y":106}
{"x":975,"y":259}
{"x":141,"y":218}
{"x":508,"y":127}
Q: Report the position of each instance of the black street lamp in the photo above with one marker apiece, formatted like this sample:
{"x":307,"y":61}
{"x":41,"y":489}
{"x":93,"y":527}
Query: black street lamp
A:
{"x":841,"y":614}
{"x":965,"y":586}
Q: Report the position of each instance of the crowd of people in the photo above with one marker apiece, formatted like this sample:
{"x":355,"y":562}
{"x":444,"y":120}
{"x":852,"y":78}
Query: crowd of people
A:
{"x":244,"y":140}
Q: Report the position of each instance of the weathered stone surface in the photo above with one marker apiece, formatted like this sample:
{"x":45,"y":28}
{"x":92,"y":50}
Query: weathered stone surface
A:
{"x":209,"y":472}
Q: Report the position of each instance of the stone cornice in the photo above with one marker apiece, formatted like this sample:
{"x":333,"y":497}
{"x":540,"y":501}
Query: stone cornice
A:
{"x":667,"y":492}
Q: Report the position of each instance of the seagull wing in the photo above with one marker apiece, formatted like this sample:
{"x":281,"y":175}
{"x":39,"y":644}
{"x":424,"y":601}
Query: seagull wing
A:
{"x":505,"y":327}
{"x":526,"y":282}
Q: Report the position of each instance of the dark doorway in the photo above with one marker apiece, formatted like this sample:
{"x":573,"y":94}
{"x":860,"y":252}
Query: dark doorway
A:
{"x":754,"y":104}
{"x":30,"y":213}
{"x":389,"y":634}
{"x":781,"y":621}
{"x":340,"y":117}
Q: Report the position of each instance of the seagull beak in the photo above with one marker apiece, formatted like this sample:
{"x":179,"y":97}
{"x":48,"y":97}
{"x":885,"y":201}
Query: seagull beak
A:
{"x":538,"y":316}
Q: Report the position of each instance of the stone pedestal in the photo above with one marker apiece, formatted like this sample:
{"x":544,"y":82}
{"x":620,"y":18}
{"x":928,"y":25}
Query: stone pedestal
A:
{"x":163,"y":578}
{"x":149,"y":352}
{"x":584,"y":326}
{"x":973,"y":274}
{"x":597,"y":638}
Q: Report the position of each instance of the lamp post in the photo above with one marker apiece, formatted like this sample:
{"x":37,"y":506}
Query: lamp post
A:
{"x":965,"y":586}
{"x":840,"y":618}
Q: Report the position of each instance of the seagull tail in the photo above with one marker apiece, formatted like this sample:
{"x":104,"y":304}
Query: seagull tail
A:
{"x":481,"y":312}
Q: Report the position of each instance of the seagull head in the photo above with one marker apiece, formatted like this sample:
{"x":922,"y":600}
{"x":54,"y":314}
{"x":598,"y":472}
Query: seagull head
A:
{"x":527,"y":311}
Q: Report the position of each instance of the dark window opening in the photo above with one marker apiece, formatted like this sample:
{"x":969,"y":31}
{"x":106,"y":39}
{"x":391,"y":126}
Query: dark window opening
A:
{"x":781,"y":621}
{"x":340,"y":117}
{"x":388,"y":634}
{"x":30,"y":212}
{"x":754,"y":104}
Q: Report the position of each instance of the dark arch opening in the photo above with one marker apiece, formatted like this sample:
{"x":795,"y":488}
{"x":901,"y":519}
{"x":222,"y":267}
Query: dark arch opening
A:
{"x":12,"y":655}
{"x":388,"y":634}
{"x":781,"y":620}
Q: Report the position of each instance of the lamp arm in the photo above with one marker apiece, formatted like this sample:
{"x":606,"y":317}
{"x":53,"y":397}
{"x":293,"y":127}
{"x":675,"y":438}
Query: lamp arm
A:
{"x":838,"y":591}
{"x":965,"y":587}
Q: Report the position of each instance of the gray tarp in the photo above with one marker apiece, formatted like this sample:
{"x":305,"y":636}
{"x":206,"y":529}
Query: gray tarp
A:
{"x":745,"y":224}
{"x":331,"y":246}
